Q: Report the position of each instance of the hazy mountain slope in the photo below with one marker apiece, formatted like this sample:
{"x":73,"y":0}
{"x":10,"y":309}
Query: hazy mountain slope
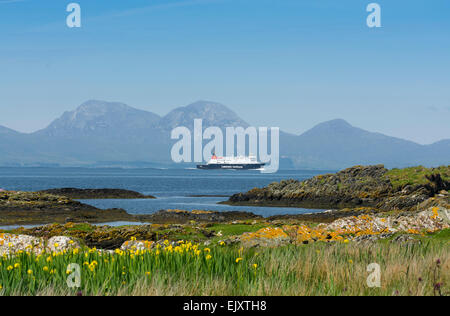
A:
{"x":95,"y":131}
{"x":7,"y":131}
{"x":109,"y":131}
{"x":338,"y":144}
{"x":17,"y":148}
{"x":435,"y":153}
{"x":105,"y":131}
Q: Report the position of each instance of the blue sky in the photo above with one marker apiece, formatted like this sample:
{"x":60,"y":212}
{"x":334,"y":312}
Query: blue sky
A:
{"x":286,"y":63}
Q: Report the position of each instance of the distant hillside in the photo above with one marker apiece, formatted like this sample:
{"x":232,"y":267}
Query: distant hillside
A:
{"x":110,"y":133}
{"x":337,"y":144}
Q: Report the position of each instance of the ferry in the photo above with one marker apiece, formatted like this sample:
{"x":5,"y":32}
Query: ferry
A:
{"x":240,"y":162}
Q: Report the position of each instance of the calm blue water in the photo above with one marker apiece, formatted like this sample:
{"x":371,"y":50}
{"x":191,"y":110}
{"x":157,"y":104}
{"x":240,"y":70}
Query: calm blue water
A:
{"x":172,"y":188}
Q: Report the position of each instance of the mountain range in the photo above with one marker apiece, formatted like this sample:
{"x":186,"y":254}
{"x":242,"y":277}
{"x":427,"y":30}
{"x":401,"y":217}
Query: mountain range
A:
{"x":100,"y":133}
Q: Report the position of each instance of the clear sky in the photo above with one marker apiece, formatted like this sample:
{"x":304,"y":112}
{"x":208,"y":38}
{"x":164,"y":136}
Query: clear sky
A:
{"x":286,"y":63}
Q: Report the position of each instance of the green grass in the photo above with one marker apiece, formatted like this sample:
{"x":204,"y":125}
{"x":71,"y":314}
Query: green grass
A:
{"x":235,"y":229}
{"x":84,"y":227}
{"x":194,"y":235}
{"x":187,"y":233}
{"x":315,"y":269}
{"x":443,"y":235}
{"x":415,"y":175}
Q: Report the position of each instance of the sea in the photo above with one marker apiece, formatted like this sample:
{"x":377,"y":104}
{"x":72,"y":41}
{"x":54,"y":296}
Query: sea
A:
{"x":186,"y":189}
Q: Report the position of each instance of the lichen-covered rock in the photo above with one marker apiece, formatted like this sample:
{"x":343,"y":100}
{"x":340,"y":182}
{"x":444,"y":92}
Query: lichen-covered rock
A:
{"x":13,"y":244}
{"x":365,"y":229}
{"x":439,"y":215}
{"x":61,"y":244}
{"x":431,"y":220}
{"x":265,"y":237}
{"x":137,"y":245}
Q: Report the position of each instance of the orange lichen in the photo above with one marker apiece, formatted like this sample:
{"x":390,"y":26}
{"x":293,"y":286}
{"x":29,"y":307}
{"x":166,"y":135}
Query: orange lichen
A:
{"x":267,"y":232}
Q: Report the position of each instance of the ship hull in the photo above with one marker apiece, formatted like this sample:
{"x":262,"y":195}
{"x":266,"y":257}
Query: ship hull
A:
{"x":232,"y":166}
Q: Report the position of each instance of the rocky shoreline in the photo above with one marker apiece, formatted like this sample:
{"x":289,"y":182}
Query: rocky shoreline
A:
{"x":350,"y":192}
{"x":356,"y":187}
{"x":376,"y":203}
{"x":92,"y":194}
{"x":30,"y":208}
{"x":38,"y":208}
{"x":23,"y":208}
{"x":183,"y":217}
{"x":253,"y":231}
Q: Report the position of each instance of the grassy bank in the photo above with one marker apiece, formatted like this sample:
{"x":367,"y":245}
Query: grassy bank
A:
{"x":400,"y":178}
{"x":315,"y":269}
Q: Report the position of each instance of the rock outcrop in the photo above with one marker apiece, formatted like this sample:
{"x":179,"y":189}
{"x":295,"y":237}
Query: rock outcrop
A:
{"x":360,"y":229}
{"x":11,"y":244}
{"x":265,"y":237}
{"x":181,"y":216}
{"x":430,"y":220}
{"x":85,"y":194}
{"x":24,"y":208}
{"x":359,"y":186}
{"x":61,"y":243}
{"x":21,"y":208}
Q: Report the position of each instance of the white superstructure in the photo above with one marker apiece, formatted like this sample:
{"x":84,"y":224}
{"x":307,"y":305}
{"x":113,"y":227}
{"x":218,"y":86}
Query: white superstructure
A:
{"x":245,"y":160}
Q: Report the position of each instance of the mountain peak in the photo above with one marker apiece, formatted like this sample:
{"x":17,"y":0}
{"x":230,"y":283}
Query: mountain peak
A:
{"x":212,"y":113}
{"x":101,"y":107}
{"x":96,"y":116}
{"x":336,"y":123}
{"x":203,"y":104}
{"x":330,"y":128}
